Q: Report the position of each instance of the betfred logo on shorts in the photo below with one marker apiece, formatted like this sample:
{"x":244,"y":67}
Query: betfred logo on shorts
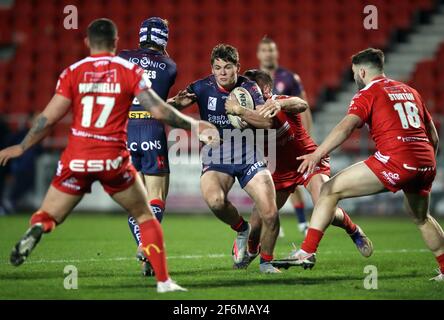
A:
{"x":255,"y":166}
{"x":78,"y":165}
{"x":391,"y":177}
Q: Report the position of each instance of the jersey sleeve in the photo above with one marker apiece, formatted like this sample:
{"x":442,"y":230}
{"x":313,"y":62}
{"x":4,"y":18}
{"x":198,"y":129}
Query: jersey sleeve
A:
{"x":296,"y":88}
{"x":64,"y":84}
{"x":139,"y":81}
{"x":361,"y":106}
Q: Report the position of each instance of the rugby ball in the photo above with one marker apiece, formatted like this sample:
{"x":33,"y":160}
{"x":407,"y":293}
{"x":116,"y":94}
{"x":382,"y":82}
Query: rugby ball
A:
{"x":246,"y":101}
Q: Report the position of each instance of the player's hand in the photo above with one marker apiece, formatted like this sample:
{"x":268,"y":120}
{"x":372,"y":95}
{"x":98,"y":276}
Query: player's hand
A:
{"x":270,"y":109}
{"x":309,"y":162}
{"x":232,"y":106}
{"x":208,"y":133}
{"x":10,"y":153}
{"x":183,"y":98}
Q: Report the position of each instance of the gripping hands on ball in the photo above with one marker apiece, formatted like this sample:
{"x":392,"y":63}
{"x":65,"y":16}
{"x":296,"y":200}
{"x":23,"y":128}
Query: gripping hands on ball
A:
{"x":270,"y":109}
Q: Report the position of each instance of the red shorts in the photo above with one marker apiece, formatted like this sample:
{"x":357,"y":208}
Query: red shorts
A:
{"x":76,"y":174}
{"x":396,"y":175}
{"x":290,"y":179}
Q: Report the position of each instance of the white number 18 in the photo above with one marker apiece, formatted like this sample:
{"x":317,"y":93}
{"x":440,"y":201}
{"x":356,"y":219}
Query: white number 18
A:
{"x":412,"y":118}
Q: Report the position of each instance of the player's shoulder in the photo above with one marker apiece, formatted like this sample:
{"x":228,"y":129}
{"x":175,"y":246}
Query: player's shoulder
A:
{"x":202,"y":83}
{"x":246,"y":83}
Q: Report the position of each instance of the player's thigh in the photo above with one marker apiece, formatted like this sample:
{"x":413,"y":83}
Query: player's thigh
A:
{"x":59,"y":204}
{"x":281,"y":198}
{"x":215,"y":186}
{"x":133,"y":200}
{"x":261,"y":190}
{"x":417,"y":206}
{"x":157,"y":186}
{"x":315,"y":184}
{"x":355,"y":181}
{"x":297,"y":197}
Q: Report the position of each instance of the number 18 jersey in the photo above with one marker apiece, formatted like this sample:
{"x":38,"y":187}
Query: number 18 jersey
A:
{"x":396,"y":117}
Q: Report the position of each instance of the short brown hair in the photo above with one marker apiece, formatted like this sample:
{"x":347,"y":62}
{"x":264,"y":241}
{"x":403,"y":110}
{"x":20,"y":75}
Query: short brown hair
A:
{"x":372,"y":56}
{"x":259,"y":76}
{"x":266,"y":40}
{"x":102,"y":33}
{"x":225,"y":52}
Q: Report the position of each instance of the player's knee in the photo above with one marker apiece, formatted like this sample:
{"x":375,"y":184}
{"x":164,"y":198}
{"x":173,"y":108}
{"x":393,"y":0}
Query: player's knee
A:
{"x":269,"y":215}
{"x":327,"y":190}
{"x":217,"y":202}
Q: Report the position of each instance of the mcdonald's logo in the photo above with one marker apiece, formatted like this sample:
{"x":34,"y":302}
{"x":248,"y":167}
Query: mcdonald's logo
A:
{"x":148,"y":247}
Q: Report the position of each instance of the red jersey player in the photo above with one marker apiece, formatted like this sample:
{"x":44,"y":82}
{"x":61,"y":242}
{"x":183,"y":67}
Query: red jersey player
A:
{"x":99,"y":90}
{"x":292,"y":141}
{"x":407,"y":142}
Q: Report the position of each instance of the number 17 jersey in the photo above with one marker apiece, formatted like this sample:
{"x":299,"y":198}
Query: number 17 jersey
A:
{"x":101,"y":88}
{"x":396,"y":116}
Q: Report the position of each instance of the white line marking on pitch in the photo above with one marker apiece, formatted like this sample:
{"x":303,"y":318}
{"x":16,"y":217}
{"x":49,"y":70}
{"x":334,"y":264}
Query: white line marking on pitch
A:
{"x":210,"y":256}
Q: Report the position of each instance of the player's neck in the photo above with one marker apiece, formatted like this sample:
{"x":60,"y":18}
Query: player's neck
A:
{"x":270,"y":70}
{"x":101,"y":52}
{"x":375,"y":77}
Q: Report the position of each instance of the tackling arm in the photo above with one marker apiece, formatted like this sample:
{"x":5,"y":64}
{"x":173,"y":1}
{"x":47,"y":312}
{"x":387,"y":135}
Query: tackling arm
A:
{"x":252,"y":117}
{"x":306,"y":117}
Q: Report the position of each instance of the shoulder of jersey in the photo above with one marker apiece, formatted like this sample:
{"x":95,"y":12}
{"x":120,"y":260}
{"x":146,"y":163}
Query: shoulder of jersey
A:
{"x":113,"y":59}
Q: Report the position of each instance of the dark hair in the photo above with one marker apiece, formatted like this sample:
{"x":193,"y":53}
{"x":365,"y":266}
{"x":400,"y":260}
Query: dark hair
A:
{"x":266,"y":40}
{"x":102,"y":33}
{"x":372,"y":56}
{"x":225,"y":52}
{"x":260,"y":77}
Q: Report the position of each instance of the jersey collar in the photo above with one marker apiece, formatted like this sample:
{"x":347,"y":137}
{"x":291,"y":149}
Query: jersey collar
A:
{"x":102,"y":54}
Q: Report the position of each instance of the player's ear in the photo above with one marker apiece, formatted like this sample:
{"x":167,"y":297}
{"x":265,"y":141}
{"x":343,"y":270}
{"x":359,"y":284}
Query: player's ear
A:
{"x":115,"y":42}
{"x":238,"y":68}
{"x":362,"y":72}
{"x":86,"y":41}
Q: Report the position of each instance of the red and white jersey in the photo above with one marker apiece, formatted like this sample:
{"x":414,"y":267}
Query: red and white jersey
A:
{"x":396,"y":117}
{"x":292,"y":140}
{"x":101,"y":88}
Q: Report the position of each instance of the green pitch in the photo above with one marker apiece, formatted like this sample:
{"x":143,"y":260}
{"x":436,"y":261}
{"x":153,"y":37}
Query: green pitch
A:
{"x":102,"y":250}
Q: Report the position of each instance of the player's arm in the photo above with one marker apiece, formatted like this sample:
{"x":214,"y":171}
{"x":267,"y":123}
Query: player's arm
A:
{"x":290,"y":105}
{"x":183,"y":99}
{"x":306,"y":117}
{"x":162,"y":111}
{"x":45,"y":121}
{"x":335,"y":138}
{"x":432,"y":133}
{"x":252,"y":117}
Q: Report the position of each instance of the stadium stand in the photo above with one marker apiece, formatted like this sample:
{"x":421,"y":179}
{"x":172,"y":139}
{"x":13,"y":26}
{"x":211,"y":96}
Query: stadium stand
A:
{"x":44,"y":47}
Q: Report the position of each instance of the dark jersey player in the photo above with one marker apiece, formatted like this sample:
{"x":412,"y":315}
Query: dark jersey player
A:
{"x":98,"y":90}
{"x":221,"y":167}
{"x":285,"y":83}
{"x":147,"y":141}
{"x":292,"y":141}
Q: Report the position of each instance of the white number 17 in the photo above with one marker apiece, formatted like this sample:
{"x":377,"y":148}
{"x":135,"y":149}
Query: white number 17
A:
{"x":88,"y":104}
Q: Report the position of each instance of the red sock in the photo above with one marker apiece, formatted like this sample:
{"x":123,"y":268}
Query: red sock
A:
{"x":311,"y":241}
{"x":44,"y":219}
{"x":266,"y":257}
{"x":440,"y":260}
{"x":347,"y":223}
{"x":158,"y":202}
{"x":153,"y":247}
